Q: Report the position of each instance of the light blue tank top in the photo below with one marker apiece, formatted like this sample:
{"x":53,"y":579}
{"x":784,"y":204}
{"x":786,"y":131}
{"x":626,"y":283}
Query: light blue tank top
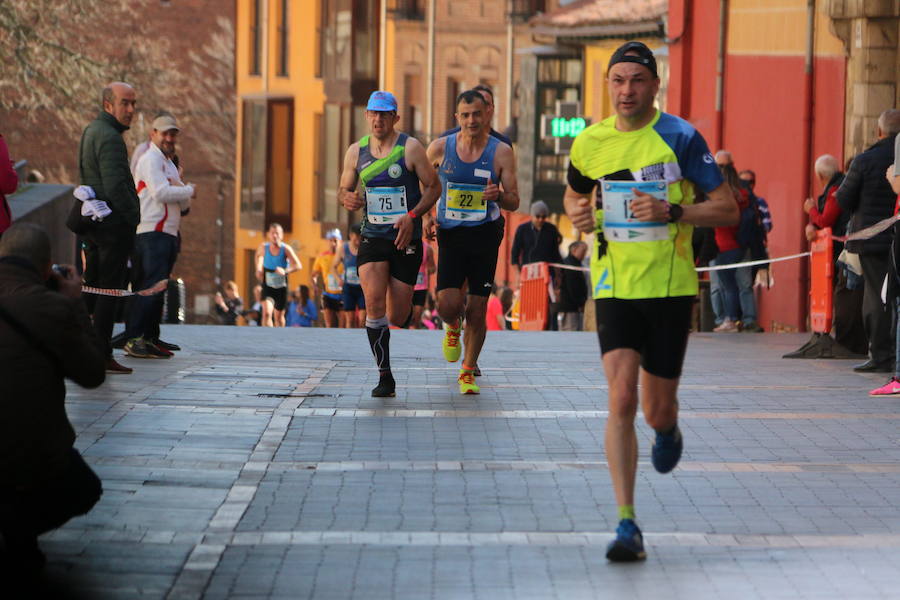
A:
{"x":271,"y":261}
{"x":462,"y":183}
{"x":351,"y":274}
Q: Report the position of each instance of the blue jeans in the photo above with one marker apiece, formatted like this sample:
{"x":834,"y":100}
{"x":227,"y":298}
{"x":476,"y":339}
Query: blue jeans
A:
{"x":155,"y":254}
{"x":744,"y":277}
{"x":728,"y":282}
{"x":715,"y":295}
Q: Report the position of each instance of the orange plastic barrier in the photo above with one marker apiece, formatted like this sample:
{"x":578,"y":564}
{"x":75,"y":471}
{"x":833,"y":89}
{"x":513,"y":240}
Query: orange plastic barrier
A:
{"x":821,"y":308}
{"x":533,"y":296}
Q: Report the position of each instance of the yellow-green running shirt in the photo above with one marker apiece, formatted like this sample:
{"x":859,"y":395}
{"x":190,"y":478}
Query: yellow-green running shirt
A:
{"x":667,"y":149}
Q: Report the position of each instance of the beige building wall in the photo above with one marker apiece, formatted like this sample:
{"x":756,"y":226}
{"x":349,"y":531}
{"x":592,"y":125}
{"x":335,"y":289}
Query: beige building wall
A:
{"x":471,"y":47}
{"x":869,"y":30}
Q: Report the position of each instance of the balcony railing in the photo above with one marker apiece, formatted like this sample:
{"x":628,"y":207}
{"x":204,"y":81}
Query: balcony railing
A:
{"x":408,"y":10}
{"x":522,"y":10}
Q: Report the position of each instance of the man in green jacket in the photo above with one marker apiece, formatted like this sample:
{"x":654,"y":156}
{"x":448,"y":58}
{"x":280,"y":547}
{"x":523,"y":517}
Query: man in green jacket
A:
{"x":103,"y":165}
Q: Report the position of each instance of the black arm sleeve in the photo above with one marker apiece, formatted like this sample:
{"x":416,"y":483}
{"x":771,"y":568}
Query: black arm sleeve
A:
{"x":579,"y":182}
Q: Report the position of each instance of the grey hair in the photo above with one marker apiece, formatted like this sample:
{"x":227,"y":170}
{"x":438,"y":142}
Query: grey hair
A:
{"x":108,"y":95}
{"x":889,"y":122}
{"x":826,"y":166}
{"x":28,"y":241}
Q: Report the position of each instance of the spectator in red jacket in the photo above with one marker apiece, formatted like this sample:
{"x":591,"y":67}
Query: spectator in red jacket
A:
{"x":9,"y":181}
{"x":825,"y":211}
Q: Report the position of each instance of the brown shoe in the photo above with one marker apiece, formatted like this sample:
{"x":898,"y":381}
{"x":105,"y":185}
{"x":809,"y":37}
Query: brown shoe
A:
{"x":113,"y":367}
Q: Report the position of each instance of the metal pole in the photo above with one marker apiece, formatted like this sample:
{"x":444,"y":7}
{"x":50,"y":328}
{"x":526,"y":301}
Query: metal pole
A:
{"x":382,"y":46}
{"x":510,"y":47}
{"x":264,"y":31}
{"x":720,"y":75}
{"x":429,"y":89}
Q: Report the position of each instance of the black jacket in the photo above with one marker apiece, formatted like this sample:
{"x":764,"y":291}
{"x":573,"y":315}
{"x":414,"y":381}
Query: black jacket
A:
{"x":103,"y":161}
{"x":867,"y":196}
{"x":574,"y":289}
{"x":530,"y":245}
{"x":35,"y":434}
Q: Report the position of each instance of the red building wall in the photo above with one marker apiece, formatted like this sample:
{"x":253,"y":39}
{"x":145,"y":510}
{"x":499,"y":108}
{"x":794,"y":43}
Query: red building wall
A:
{"x":763,"y":123}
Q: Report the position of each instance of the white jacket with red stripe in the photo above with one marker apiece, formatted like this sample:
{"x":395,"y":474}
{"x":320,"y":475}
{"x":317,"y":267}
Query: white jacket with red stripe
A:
{"x":162,"y":193}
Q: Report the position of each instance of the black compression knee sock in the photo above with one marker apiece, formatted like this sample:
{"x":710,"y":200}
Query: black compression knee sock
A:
{"x":380,"y":342}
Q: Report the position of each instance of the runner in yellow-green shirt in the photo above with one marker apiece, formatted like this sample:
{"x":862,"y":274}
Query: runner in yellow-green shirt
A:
{"x":631,"y":183}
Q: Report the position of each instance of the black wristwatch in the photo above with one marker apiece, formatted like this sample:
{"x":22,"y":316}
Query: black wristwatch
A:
{"x":675,"y":212}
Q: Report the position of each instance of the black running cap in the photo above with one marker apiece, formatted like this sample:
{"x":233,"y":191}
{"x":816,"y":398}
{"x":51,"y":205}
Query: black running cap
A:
{"x":644,"y":56}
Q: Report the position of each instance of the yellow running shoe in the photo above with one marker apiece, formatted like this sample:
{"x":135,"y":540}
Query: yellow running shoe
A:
{"x":467,"y":383}
{"x":452,"y":345}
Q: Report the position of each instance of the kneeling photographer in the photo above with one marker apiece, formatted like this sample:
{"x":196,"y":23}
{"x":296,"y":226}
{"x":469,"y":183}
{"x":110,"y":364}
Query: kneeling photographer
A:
{"x":45,"y":337}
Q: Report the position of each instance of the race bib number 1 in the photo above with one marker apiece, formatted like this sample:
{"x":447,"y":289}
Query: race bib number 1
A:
{"x":275,"y":280}
{"x":385,"y":205}
{"x":465,"y":202}
{"x":619,"y":224}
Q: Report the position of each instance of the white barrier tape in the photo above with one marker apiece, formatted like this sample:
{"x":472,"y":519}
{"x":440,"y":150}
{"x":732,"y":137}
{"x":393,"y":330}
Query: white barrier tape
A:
{"x":750,"y":263}
{"x":159,"y":287}
{"x":869,"y":232}
{"x":862,"y":234}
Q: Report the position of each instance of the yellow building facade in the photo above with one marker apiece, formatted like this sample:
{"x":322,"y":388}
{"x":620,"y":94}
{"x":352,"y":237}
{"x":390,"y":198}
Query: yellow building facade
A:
{"x":303,"y":71}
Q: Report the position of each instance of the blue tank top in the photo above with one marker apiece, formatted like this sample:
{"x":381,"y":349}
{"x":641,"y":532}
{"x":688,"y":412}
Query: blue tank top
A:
{"x":351,"y":274}
{"x":390,"y":190}
{"x":462,"y":185}
{"x":270,"y":262}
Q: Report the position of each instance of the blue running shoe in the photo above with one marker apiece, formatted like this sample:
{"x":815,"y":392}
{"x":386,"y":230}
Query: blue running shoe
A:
{"x":667,"y":450}
{"x":628,"y":545}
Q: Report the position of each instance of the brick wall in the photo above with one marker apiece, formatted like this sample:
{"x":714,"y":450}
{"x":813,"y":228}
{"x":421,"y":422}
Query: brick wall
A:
{"x":186,"y":25}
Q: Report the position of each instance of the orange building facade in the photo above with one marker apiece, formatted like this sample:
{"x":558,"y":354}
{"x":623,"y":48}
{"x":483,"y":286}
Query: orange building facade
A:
{"x":304,"y":70}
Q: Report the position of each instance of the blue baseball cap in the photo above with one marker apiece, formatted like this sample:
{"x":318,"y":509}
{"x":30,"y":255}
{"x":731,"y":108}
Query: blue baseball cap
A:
{"x":382,"y":102}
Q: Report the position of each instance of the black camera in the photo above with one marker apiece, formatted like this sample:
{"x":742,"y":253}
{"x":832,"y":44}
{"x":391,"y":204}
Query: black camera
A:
{"x":60,"y":270}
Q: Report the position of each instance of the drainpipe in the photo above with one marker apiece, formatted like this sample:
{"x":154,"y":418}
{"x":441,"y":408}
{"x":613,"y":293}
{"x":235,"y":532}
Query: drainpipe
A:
{"x":382,"y":46}
{"x":510,"y":47}
{"x":429,"y":90}
{"x":720,"y":75}
{"x":264,"y":30}
{"x":807,"y":140}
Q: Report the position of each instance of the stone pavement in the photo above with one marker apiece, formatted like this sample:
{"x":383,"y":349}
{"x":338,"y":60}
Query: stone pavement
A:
{"x":256,"y":465}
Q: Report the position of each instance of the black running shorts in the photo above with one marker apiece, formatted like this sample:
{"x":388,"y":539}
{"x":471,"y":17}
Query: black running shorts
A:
{"x":419,"y":297}
{"x":329,"y":303}
{"x":469,"y":254}
{"x":278,"y":296}
{"x":657,"y":328}
{"x":403,"y":264}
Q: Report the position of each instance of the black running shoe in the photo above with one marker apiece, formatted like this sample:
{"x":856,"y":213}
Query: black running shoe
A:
{"x":628,"y":545}
{"x":386,"y":387}
{"x":166,"y":345}
{"x":667,"y":450}
{"x":159,"y":352}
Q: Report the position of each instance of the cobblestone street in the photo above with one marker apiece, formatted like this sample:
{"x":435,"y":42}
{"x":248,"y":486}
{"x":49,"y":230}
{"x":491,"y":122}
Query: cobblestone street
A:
{"x":256,"y":465}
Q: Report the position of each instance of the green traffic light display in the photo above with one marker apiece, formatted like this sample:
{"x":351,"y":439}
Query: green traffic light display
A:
{"x":563,"y":127}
